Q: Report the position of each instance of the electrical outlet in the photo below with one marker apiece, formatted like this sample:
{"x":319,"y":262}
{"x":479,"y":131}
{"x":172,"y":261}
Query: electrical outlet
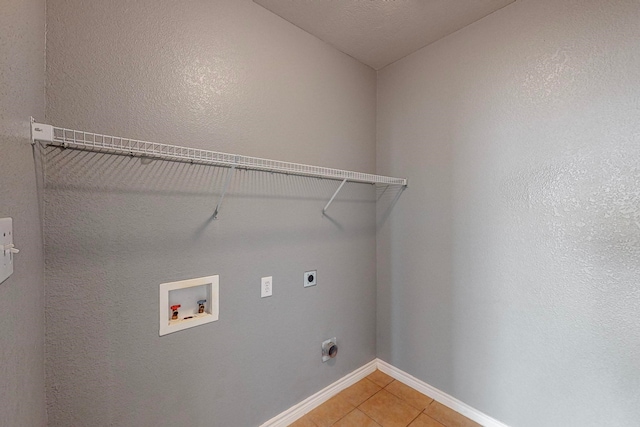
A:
{"x":310,"y":278}
{"x":266,"y":290}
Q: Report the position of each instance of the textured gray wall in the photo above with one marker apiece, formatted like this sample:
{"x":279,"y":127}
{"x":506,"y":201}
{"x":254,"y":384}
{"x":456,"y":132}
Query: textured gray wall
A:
{"x":230,"y":76}
{"x":22,"y":295}
{"x":510,"y":276}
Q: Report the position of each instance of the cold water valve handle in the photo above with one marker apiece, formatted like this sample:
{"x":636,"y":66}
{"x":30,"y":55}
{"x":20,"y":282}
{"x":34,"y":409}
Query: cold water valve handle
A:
{"x":201,"y":305}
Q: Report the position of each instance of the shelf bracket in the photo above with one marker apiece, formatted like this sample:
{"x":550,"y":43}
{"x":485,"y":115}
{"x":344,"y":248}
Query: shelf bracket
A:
{"x":324,"y":211}
{"x":224,"y":190}
{"x":40,"y":132}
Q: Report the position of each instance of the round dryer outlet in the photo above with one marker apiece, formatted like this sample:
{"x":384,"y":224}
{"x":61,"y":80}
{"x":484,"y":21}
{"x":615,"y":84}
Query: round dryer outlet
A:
{"x":329,"y":349}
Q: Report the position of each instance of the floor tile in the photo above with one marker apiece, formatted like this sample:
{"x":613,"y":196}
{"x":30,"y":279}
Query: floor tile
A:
{"x":448,"y":417}
{"x":425,"y":421}
{"x":360,"y":391}
{"x":330,"y":411}
{"x":380,"y":378}
{"x":303,"y":422}
{"x":409,"y":395}
{"x":388,"y":410}
{"x":356,"y":418}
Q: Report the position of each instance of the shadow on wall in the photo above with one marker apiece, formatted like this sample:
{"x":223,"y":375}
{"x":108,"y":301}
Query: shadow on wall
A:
{"x":387,"y":197}
{"x":162,"y":191}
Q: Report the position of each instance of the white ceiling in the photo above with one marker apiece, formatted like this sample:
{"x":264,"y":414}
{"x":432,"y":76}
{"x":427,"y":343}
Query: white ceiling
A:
{"x":379,"y":32}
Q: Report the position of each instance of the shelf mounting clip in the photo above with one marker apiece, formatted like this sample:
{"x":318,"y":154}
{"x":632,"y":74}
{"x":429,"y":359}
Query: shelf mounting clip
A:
{"x":40,"y":132}
{"x":324,"y":211}
{"x":224,"y":190}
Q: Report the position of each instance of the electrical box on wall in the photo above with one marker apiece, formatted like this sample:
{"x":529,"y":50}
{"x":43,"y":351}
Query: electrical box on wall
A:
{"x":7,"y":250}
{"x":188,"y":303}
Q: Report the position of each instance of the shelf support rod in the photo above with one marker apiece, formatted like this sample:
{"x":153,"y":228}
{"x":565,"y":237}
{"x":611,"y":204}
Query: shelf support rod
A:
{"x":324,"y":211}
{"x":224,"y":190}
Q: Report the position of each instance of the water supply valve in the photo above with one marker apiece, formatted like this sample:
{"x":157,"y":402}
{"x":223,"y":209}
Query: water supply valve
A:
{"x":201,"y":305}
{"x":174,"y":310}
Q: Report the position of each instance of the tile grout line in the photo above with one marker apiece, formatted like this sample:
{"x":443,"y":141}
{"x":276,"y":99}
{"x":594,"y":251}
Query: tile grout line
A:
{"x":414,"y":419}
{"x":367,"y":399}
{"x":398,"y":397}
{"x":356,"y":407}
{"x":403,"y":400}
{"x":345,"y":415}
{"x":429,"y":416}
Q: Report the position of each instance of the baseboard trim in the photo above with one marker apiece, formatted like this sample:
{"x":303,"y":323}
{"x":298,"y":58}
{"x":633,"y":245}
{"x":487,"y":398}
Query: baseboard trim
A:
{"x":438,"y":395}
{"x":297,"y":411}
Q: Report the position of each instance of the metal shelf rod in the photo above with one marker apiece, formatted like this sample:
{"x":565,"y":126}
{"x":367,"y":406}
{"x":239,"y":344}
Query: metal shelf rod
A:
{"x":224,"y":191}
{"x":324,"y":211}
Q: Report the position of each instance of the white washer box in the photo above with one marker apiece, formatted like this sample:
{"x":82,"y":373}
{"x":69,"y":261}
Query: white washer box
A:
{"x":7,"y":251}
{"x":187,"y":293}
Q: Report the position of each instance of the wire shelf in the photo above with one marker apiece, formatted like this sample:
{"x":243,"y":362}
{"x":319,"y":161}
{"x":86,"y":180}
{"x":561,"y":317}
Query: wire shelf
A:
{"x":89,"y":141}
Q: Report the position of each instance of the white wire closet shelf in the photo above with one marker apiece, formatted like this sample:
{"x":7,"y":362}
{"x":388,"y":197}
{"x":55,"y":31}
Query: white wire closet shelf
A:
{"x":89,"y":141}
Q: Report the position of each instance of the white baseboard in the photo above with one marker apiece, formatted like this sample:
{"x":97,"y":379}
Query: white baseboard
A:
{"x":439,"y":396}
{"x":297,"y":411}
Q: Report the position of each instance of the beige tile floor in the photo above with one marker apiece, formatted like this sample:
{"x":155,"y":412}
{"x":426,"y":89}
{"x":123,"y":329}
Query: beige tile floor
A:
{"x":380,"y":401}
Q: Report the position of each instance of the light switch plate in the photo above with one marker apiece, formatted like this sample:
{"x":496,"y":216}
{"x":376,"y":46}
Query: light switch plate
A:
{"x":6,"y":257}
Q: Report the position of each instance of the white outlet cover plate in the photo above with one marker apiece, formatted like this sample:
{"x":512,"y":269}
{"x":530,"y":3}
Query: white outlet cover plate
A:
{"x":266,"y":288}
{"x":6,"y":257}
{"x":310,"y":278}
{"x":168,"y":326}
